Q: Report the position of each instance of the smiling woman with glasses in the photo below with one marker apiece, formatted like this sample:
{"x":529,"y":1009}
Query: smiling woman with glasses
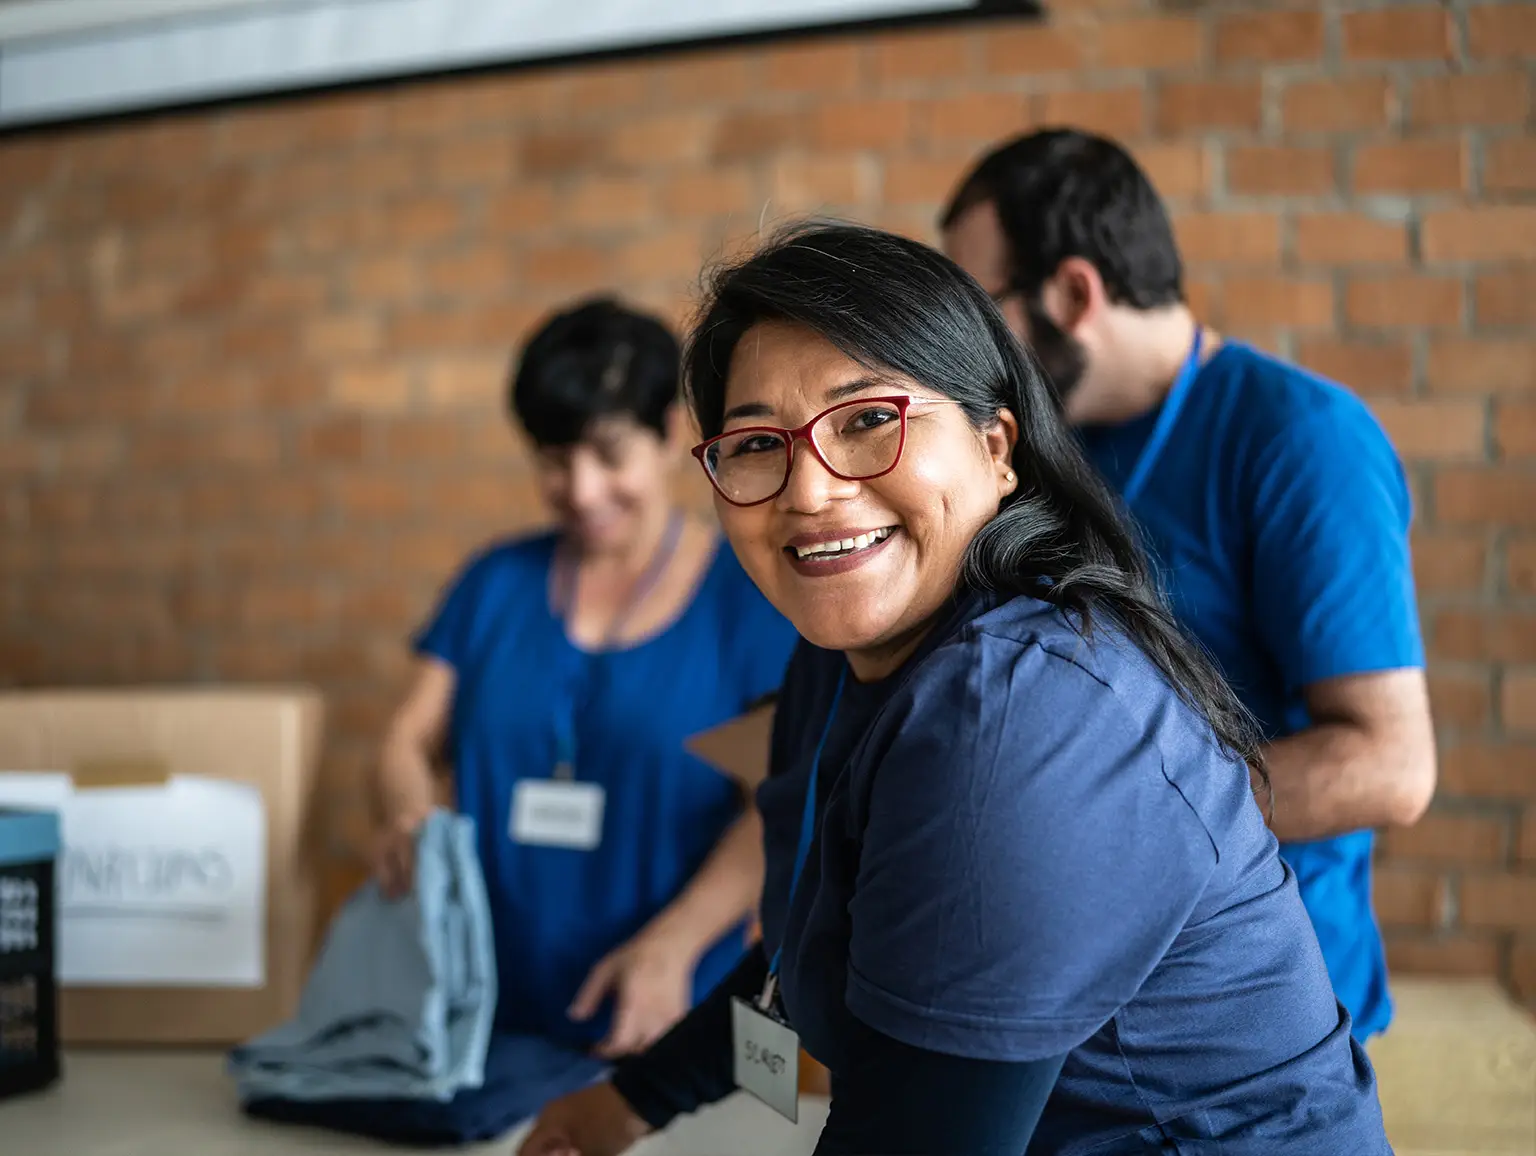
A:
{"x":1019,"y":893}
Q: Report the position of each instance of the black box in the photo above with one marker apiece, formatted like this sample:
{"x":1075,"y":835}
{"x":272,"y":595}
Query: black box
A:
{"x":29,"y":995}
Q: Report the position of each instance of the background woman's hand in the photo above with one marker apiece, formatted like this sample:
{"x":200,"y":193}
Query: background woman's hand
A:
{"x":651,"y":978}
{"x":393,"y":857}
{"x":595,"y":1121}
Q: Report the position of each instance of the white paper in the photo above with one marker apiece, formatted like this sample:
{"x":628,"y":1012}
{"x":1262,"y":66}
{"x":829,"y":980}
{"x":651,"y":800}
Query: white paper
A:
{"x":159,"y":885}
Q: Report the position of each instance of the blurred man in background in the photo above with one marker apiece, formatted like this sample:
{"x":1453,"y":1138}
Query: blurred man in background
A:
{"x":1273,"y":502}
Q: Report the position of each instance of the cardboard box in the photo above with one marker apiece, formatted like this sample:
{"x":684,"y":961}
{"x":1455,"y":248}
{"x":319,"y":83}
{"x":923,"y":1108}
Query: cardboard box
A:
{"x":128,"y":745}
{"x":739,"y":747}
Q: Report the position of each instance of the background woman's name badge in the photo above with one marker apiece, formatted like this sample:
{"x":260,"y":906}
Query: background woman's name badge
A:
{"x":767,"y":1059}
{"x":557,"y":814}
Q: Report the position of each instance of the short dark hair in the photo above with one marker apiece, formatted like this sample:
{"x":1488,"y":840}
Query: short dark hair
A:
{"x":596,"y":359}
{"x":1063,"y":193}
{"x":893,"y":303}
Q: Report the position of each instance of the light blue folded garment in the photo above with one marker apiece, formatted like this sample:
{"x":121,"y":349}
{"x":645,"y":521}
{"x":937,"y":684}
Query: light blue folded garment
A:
{"x":401,"y":1001}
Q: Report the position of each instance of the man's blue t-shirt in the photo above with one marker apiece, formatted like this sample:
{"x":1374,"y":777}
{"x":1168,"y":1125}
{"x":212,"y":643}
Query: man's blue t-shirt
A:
{"x":1277,"y":513}
{"x":520,"y":682}
{"x":1029,"y":846}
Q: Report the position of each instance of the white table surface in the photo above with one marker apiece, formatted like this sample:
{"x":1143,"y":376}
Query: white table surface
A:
{"x":177,"y":1103}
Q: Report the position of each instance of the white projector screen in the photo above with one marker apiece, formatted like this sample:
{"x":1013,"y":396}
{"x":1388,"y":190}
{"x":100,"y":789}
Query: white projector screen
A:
{"x":231,"y":50}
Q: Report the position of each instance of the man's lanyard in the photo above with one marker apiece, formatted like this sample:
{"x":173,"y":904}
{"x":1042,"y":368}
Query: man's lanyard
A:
{"x":1166,"y":420}
{"x":565,"y":597}
{"x":807,"y":832}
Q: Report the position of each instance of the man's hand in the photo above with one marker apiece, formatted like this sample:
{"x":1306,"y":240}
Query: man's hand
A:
{"x":595,"y":1121}
{"x":393,"y":858}
{"x":651,"y":978}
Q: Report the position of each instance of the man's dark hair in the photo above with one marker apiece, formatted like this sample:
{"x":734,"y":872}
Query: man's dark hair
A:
{"x":597,"y":359}
{"x":1063,"y":193}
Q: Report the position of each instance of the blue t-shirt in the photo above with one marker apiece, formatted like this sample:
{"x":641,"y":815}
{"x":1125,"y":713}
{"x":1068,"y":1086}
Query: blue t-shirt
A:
{"x":1029,"y":846}
{"x":1277,"y":513}
{"x":520,"y":681}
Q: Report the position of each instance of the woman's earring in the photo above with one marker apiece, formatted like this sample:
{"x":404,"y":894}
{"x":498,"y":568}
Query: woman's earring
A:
{"x":1010,"y":477}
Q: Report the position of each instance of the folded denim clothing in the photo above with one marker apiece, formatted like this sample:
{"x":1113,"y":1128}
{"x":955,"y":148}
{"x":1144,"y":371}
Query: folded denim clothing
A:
{"x":401,"y":1000}
{"x":522,"y":1074}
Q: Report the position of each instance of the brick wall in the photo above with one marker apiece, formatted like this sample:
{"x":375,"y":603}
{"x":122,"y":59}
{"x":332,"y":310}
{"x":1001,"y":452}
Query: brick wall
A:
{"x":251,"y":359}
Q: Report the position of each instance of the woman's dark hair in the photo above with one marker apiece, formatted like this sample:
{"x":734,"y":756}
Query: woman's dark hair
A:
{"x":1063,"y":193}
{"x":894,"y":304}
{"x":596,"y":359}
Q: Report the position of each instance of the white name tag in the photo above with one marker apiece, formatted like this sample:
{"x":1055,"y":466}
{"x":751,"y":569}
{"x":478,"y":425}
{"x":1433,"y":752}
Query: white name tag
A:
{"x":547,"y":813}
{"x":767,"y":1059}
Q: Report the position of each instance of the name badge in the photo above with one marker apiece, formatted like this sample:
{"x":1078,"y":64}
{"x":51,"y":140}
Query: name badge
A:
{"x":557,"y":814}
{"x":767,"y":1059}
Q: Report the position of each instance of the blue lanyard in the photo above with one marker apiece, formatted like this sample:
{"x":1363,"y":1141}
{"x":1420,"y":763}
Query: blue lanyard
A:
{"x":1166,"y":420}
{"x":808,"y":813}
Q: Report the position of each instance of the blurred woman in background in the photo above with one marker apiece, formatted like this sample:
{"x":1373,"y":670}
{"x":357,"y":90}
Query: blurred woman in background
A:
{"x":561,"y":675}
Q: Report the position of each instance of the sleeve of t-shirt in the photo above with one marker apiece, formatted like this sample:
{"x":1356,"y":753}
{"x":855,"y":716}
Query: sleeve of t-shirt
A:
{"x":448,"y":632}
{"x":1332,"y":573}
{"x":1024,"y":863}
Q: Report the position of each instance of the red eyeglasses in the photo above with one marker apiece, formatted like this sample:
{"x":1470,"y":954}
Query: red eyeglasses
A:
{"x":853,"y":440}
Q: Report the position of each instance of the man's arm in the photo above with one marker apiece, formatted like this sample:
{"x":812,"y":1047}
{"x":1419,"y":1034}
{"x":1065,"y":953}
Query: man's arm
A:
{"x":1367,"y":760}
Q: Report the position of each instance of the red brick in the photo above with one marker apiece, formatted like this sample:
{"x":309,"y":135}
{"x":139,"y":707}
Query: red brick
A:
{"x":1434,"y":430}
{"x":379,"y":388}
{"x":622,"y":84}
{"x":1506,"y":297}
{"x":1489,"y":771}
{"x":1152,"y":42}
{"x":974,"y":117}
{"x":1501,"y":31}
{"x":1192,"y":106}
{"x":1489,"y":233}
{"x":1408,"y":896}
{"x":422,"y":221}
{"x":1031,"y":50}
{"x":1515,"y":429}
{"x":469,"y":381}
{"x":423,"y":439}
{"x":805,"y":184}
{"x":338,"y":439}
{"x":1527,"y":844}
{"x":1509,"y":165}
{"x":1478,"y":99}
{"x":1517,"y":702}
{"x":1240,"y":238}
{"x":1263,"y":301}
{"x":1178,"y":170}
{"x":1499,"y":901}
{"x":1460,"y":698}
{"x":476,"y":162}
{"x":1490,"y":636}
{"x":863,"y":124}
{"x":246,"y":445}
{"x":1371,"y":367}
{"x":1269,"y":37}
{"x":1385,"y":302}
{"x":663,"y":139}
{"x":376,"y":497}
{"x":922,"y":55}
{"x":557,"y":154}
{"x":1280,"y":171}
{"x":1349,"y":239}
{"x":483,"y":271}
{"x":1522,"y":970}
{"x":668,"y":254}
{"x":566,"y":266}
{"x":722,"y":77}
{"x":1428,"y":166}
{"x":607,"y":203}
{"x":709,"y":193}
{"x":1449,"y":839}
{"x":915,"y":181}
{"x":749,"y":135}
{"x":1459,"y":955}
{"x":1491,"y":365}
{"x":1398,"y":33}
{"x":816,"y":66}
{"x":1115,"y":112}
{"x":1449,"y":563}
{"x":1521,"y":577}
{"x":1486,"y":496}
{"x":1350,"y":105}
{"x":385,"y":279}
{"x":342,"y":335}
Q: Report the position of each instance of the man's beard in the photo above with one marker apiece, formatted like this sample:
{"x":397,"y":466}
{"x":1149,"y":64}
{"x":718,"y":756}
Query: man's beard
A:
{"x":1061,"y":356}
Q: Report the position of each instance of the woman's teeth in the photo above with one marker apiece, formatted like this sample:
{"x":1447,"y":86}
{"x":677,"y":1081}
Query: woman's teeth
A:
{"x":838,"y":549}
